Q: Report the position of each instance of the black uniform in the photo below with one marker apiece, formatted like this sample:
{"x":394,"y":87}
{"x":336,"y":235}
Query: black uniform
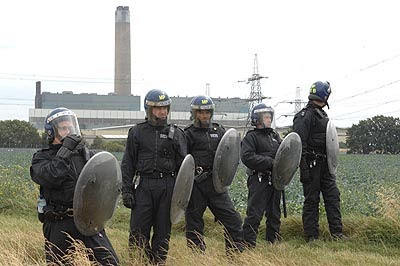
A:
{"x":310,"y":123}
{"x":154,"y":153}
{"x":202,"y":144}
{"x":259,"y":147}
{"x":57,"y":178}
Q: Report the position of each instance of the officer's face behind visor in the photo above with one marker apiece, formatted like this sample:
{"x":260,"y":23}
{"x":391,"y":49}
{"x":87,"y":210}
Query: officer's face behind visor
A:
{"x":160,"y":112}
{"x":204,"y":116}
{"x":264,"y":120}
{"x":65,"y":126}
{"x":158,"y":115}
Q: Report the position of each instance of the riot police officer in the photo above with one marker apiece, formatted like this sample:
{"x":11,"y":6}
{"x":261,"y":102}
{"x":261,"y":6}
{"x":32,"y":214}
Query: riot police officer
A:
{"x":154,"y":153}
{"x":311,"y":123}
{"x":203,"y":138}
{"x":259,"y":147}
{"x":56,"y":169}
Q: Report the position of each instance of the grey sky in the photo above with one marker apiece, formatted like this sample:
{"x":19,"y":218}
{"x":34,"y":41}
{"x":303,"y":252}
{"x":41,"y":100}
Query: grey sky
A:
{"x":180,"y":46}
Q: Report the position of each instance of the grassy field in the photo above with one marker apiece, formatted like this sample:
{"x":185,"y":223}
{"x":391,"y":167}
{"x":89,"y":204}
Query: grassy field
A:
{"x":369,"y":185}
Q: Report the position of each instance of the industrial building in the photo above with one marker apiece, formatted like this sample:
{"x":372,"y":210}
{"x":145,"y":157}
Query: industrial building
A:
{"x":113,"y":114}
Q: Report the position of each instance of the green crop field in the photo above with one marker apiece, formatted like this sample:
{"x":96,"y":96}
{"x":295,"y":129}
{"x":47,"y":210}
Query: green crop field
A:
{"x":370,"y":201}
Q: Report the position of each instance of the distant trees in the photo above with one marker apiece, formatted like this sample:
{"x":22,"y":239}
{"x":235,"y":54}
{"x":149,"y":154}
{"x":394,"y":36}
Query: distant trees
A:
{"x":112,"y":146}
{"x":380,"y":134}
{"x":18,"y":133}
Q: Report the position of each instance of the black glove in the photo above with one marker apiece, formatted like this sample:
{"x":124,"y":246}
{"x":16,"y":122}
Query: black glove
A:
{"x":128,"y":199}
{"x":69,"y":143}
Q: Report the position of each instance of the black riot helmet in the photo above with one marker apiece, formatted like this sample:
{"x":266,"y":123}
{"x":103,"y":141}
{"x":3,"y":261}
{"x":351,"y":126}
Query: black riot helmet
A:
{"x":60,"y":123}
{"x":258,"y":113}
{"x":320,"y":91}
{"x":153,"y":99}
{"x":198,"y":104}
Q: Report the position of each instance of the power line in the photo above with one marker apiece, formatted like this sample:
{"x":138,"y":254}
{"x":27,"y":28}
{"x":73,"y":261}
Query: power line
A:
{"x":51,"y":76}
{"x":368,"y":91}
{"x":365,"y":109}
{"x":23,"y":104}
{"x":17,"y":99}
{"x":380,"y":62}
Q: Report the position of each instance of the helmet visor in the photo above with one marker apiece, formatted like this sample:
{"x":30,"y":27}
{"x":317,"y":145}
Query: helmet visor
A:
{"x":65,"y":124}
{"x":265,"y":117}
{"x":202,"y":117}
{"x":158,"y":115}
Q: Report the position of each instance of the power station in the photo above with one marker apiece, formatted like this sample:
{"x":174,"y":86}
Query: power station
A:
{"x":117,"y":111}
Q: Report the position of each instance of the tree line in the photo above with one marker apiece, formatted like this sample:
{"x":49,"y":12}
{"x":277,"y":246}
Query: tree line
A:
{"x":379,"y":134}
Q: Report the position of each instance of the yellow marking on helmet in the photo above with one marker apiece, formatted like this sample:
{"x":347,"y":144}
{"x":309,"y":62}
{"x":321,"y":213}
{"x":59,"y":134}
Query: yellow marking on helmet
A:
{"x":161,"y":97}
{"x":205,"y":101}
{"x":313,"y":89}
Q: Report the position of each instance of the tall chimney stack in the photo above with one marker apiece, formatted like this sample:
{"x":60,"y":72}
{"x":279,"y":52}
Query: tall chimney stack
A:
{"x":38,"y":95}
{"x":122,"y":71}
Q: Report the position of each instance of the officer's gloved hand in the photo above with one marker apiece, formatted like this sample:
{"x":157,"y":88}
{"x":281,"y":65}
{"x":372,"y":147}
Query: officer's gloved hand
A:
{"x":305,"y":176}
{"x":269,"y":162}
{"x":69,"y":143}
{"x":128,"y":199}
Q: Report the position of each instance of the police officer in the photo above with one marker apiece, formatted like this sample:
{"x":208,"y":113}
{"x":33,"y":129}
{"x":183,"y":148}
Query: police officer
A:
{"x":56,"y":169}
{"x":311,"y":123}
{"x":203,"y":138}
{"x":259,"y":147}
{"x":154,"y":153}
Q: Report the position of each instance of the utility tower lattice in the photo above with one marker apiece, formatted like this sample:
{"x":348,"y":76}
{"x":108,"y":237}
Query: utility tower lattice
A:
{"x":255,"y":96}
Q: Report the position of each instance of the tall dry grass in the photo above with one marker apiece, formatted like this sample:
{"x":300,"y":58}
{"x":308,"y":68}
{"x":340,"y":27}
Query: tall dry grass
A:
{"x":21,"y":243}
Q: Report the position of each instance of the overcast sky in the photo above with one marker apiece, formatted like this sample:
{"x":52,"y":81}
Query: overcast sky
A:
{"x":180,"y":45}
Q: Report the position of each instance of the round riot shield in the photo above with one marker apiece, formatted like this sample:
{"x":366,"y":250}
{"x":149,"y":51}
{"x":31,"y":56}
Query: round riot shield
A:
{"x":226,"y":160}
{"x":182,"y":189}
{"x":332,"y":147}
{"x":287,"y":160}
{"x":96,"y":193}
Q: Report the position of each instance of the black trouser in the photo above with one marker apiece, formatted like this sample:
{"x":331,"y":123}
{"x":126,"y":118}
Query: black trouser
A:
{"x":59,"y":234}
{"x":152,"y":209}
{"x":262,"y":197}
{"x":321,"y":181}
{"x":220,"y":204}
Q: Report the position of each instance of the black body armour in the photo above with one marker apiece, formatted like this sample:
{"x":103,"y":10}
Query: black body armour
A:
{"x":317,"y":137}
{"x":203,"y":143}
{"x":156,"y":149}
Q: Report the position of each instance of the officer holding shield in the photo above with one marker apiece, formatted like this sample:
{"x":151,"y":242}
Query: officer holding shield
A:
{"x":203,"y":138}
{"x":311,"y":125}
{"x":259,"y":147}
{"x":154,"y":153}
{"x":56,"y":169}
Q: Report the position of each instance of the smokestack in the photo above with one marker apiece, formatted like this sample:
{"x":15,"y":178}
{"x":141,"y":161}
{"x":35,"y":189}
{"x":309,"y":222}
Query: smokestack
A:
{"x":38,"y":96}
{"x":122,"y":71}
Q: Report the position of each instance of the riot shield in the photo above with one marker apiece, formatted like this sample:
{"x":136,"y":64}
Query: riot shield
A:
{"x":96,"y":193}
{"x":332,"y":147}
{"x":226,"y":160}
{"x":182,"y":189}
{"x":287,"y":160}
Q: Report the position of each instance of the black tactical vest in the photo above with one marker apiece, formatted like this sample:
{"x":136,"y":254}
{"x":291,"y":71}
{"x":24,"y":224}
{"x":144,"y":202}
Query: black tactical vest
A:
{"x":203,"y":143}
{"x":155,"y":149}
{"x":317,"y":135}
